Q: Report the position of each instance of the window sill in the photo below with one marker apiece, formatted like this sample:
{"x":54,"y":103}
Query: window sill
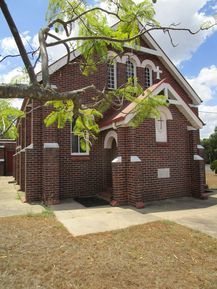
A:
{"x":111,"y":88}
{"x":162,"y":144}
{"x":80,"y":157}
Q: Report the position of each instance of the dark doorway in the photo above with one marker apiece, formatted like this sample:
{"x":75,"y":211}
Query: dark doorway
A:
{"x":111,"y":154}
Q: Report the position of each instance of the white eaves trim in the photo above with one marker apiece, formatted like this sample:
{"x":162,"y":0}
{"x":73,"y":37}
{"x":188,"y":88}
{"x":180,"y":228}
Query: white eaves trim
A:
{"x":190,"y":128}
{"x":74,"y":54}
{"x":181,"y":105}
{"x":59,"y":63}
{"x":155,"y":50}
{"x":144,"y":49}
{"x":185,"y":109}
{"x":172,"y":68}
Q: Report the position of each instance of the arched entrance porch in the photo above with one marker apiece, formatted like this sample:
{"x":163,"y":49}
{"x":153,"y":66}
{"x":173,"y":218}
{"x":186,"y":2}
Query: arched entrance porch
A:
{"x":111,"y":151}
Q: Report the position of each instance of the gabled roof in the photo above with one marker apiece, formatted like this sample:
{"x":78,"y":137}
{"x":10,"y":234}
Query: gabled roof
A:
{"x":172,"y":68}
{"x":122,"y":118}
{"x":154,"y":49}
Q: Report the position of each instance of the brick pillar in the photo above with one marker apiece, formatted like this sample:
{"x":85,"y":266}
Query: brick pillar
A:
{"x":50,"y":169}
{"x":135,"y":182}
{"x":22,"y":155}
{"x":197,"y":166}
{"x":18,"y":167}
{"x":33,"y":159}
{"x":14,"y":166}
{"x":22,"y":169}
{"x":119,"y":182}
{"x":28,"y":125}
{"x":2,"y":160}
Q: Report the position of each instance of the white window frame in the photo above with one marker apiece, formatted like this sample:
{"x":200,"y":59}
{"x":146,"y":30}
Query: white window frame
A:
{"x":114,"y":64}
{"x":134,"y":70}
{"x":149,"y":74}
{"x":77,"y":153}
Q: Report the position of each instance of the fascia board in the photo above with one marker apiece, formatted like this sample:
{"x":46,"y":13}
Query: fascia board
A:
{"x":59,"y":63}
{"x":181,"y":105}
{"x":172,"y":68}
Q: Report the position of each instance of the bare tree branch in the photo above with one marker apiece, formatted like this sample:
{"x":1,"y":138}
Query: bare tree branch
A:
{"x":18,"y":55}
{"x":39,"y":92}
{"x":44,"y":57}
{"x":142,"y":32}
{"x":18,"y":41}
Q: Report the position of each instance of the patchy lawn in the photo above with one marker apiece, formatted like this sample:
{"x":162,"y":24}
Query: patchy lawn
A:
{"x":37,"y":252}
{"x":211,"y":180}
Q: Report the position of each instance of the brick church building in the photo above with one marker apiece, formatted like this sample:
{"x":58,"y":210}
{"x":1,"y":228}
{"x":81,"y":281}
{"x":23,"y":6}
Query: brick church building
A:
{"x":162,"y":158}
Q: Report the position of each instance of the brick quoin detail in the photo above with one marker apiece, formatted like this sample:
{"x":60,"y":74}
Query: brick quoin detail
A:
{"x":52,"y":174}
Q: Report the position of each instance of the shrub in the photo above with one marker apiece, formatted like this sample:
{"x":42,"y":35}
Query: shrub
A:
{"x":213,"y":166}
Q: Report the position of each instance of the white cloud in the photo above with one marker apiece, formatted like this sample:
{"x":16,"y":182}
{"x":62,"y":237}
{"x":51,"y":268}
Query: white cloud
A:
{"x":214,"y":8}
{"x":8,"y":77}
{"x":205,"y":85}
{"x":8,"y":44}
{"x":189,"y":15}
{"x":209,"y":115}
{"x":17,"y":102}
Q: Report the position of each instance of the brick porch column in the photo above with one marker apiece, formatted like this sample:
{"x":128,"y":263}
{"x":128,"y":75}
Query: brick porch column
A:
{"x":18,"y":167}
{"x":14,"y":166}
{"x":22,"y":169}
{"x":33,"y":174}
{"x":135,"y":182}
{"x":50,"y":169}
{"x":2,"y":160}
{"x":119,"y":182}
{"x":33,"y":159}
{"x":197,"y":166}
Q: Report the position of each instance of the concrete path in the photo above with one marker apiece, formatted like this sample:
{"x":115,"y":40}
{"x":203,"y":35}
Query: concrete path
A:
{"x":196,"y":214}
{"x":10,"y":205}
{"x":192,"y":213}
{"x":81,"y":221}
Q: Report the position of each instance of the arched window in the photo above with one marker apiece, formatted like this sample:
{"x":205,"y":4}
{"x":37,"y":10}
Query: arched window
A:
{"x":130,"y":70}
{"x":112,"y":75}
{"x":148,"y":77}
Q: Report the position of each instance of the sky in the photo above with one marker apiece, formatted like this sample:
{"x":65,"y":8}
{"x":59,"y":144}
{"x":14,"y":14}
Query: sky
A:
{"x":195,"y":56}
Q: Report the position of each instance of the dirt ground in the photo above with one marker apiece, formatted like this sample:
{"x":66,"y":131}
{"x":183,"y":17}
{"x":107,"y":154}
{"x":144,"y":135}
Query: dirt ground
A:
{"x":37,"y":252}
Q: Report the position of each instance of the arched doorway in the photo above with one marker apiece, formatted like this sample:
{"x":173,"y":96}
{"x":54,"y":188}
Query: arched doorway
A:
{"x":111,"y":152}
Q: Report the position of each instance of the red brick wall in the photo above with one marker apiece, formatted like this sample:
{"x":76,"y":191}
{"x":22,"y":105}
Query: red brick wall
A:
{"x":54,"y":173}
{"x":175,"y":154}
{"x":34,"y":162}
{"x":80,"y":176}
{"x":9,"y":146}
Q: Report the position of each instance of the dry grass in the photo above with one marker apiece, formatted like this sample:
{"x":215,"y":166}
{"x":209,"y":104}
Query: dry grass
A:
{"x":211,"y":180}
{"x":37,"y":252}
